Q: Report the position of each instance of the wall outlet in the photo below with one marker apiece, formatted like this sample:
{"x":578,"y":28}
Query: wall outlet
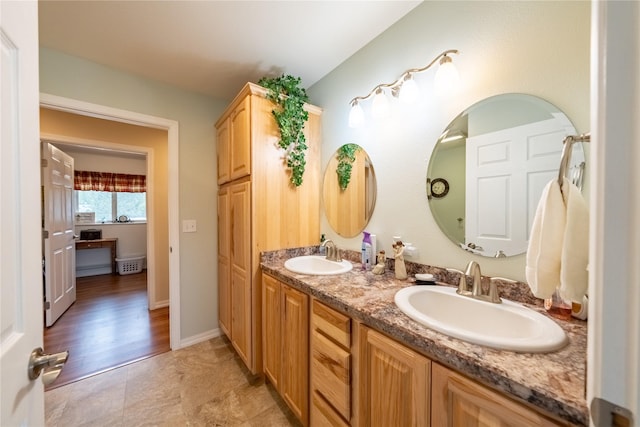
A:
{"x":189,"y":226}
{"x":410,"y":250}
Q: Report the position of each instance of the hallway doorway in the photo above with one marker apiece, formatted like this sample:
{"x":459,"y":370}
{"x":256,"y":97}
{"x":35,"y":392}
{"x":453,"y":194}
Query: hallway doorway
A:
{"x":163,"y":249}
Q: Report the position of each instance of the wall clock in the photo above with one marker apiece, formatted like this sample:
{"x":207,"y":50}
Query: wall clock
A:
{"x":439,"y":187}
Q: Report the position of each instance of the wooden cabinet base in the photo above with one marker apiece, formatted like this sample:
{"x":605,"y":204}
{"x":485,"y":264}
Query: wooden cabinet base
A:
{"x":285,"y":334}
{"x":323,"y":415}
{"x":459,"y":401}
{"x":394,"y":383}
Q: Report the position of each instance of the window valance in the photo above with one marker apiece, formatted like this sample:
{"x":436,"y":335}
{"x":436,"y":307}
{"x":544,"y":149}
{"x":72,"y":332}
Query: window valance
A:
{"x":108,"y":181}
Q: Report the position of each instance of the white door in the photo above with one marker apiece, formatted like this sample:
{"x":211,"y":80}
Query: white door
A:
{"x":58,"y":236}
{"x":22,"y":400}
{"x":613,"y":351}
{"x":499,"y":165}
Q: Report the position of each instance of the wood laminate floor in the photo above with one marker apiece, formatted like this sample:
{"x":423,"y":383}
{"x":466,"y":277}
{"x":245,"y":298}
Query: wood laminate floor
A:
{"x":108,"y":326}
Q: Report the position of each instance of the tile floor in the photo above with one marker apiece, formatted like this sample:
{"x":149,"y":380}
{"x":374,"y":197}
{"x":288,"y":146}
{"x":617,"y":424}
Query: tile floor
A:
{"x":202,"y":385}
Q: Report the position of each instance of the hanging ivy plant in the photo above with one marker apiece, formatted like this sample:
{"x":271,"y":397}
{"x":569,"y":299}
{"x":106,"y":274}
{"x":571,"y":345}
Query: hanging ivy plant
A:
{"x":291,"y":118}
{"x":346,"y":156}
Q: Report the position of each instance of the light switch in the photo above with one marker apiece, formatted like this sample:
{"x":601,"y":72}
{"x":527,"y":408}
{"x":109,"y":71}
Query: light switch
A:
{"x":189,"y":226}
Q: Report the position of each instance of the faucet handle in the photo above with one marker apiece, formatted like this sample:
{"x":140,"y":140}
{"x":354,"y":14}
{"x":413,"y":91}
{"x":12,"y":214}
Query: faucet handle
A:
{"x":494,"y":296}
{"x":462,"y":284}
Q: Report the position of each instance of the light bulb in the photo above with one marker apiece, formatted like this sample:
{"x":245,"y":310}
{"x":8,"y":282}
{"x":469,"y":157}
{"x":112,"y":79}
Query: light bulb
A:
{"x":380,"y":106}
{"x":447,"y":77}
{"x":356,"y":116}
{"x":409,"y":90}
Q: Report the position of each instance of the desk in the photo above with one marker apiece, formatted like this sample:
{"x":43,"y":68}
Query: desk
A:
{"x":101,"y":243}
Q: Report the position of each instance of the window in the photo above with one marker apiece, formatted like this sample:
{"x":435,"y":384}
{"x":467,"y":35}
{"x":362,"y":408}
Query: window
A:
{"x":108,"y":205}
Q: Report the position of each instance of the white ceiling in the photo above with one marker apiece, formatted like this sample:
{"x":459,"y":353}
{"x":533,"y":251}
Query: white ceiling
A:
{"x":214,"y":47}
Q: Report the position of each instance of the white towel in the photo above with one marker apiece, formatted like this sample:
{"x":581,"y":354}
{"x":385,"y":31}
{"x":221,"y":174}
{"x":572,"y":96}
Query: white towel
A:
{"x":574,"y":277}
{"x":545,"y":243}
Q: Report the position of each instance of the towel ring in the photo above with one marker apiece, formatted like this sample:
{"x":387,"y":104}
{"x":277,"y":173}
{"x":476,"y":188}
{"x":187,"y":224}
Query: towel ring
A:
{"x":566,"y":152}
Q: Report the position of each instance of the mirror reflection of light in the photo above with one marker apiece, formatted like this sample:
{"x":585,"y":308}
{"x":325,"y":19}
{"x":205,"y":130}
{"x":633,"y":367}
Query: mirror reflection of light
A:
{"x":453,"y":137}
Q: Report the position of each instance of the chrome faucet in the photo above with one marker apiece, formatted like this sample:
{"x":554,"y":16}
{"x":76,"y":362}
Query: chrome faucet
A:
{"x":333,"y":253}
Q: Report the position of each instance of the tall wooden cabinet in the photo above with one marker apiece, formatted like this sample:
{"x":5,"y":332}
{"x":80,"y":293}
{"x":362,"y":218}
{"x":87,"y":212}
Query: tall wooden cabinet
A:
{"x":258,"y":210}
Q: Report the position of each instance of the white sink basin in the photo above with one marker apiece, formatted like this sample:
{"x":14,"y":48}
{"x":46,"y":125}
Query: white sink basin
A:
{"x":506,"y":326}
{"x":316,"y":265}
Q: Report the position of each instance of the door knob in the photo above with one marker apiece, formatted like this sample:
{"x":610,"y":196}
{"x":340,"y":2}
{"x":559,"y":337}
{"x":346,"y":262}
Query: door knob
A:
{"x":51,"y":363}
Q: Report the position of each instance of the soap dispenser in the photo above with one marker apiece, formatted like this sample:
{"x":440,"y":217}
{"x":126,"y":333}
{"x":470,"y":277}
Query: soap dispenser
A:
{"x":367,"y":253}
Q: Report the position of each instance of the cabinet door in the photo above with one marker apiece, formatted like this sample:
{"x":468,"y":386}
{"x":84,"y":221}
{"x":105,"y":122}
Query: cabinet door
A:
{"x":240,"y":213}
{"x":394,"y":383}
{"x":271,"y":352}
{"x":295,"y":351}
{"x":459,"y":401}
{"x":240,"y":123}
{"x":224,"y":262}
{"x":223,"y":143}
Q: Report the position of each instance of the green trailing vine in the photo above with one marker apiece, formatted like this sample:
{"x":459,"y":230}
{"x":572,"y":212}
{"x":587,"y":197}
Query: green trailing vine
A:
{"x":346,"y":156}
{"x":291,"y":117}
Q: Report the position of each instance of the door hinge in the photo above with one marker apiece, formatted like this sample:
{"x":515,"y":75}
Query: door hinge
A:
{"x":47,"y":305}
{"x":45,"y":234}
{"x":44,"y":163}
{"x":604,"y":413}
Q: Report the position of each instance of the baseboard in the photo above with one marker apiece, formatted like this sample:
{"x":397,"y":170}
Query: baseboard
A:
{"x":160,"y":304}
{"x":195,"y":339}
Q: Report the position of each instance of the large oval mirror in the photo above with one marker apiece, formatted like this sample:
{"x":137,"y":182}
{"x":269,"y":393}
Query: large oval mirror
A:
{"x":349,"y":190}
{"x":489,"y":167}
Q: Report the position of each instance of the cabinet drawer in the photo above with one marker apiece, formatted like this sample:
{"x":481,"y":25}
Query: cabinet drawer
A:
{"x":88,"y":245}
{"x":335,"y":325}
{"x":322,"y":415}
{"x":331,"y":373}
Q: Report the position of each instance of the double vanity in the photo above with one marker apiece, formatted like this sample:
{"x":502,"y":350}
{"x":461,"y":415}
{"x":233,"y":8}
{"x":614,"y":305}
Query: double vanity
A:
{"x":369,"y":363}
{"x":346,"y":347}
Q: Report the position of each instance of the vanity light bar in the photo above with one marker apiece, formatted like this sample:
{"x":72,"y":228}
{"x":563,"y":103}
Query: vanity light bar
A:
{"x":405,"y":81}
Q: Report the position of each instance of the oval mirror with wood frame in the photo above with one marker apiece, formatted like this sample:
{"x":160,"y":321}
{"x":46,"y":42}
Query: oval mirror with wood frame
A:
{"x":489,"y":167}
{"x":349,"y":190}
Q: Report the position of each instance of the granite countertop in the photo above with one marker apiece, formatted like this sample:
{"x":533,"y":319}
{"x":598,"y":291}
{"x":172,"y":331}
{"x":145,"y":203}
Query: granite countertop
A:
{"x":552,"y":382}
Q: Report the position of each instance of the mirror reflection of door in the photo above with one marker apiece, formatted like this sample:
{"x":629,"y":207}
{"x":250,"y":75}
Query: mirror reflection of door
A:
{"x":58,"y":236}
{"x":497,"y":156}
{"x":506,"y":172}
